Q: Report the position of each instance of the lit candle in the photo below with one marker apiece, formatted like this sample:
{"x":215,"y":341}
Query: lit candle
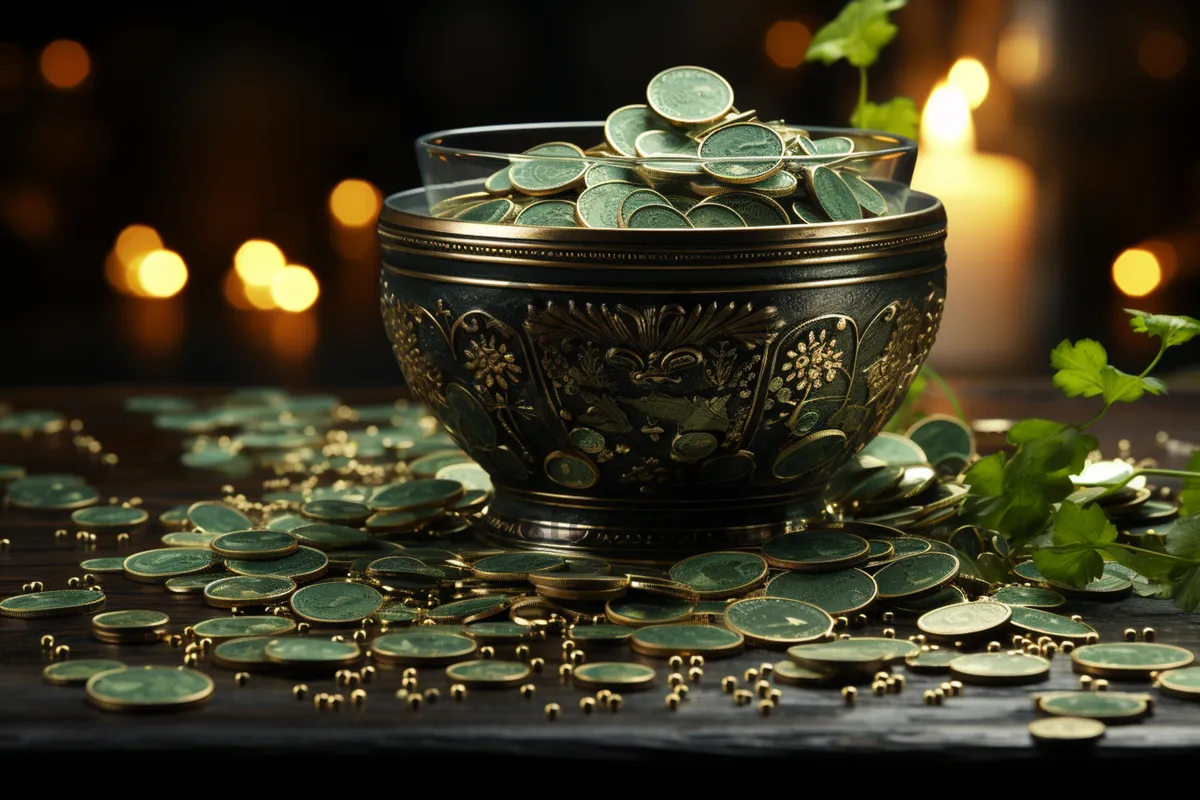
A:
{"x":989,"y":200}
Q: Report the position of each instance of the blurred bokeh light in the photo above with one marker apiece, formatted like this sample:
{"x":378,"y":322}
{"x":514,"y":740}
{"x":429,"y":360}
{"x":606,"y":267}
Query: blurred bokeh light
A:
{"x":1136,"y":272}
{"x":355,"y":203}
{"x":787,"y":42}
{"x":65,"y":64}
{"x":294,"y":288}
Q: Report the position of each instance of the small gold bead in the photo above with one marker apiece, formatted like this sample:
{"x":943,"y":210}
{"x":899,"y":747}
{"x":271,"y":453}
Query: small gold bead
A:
{"x":241,"y":678}
{"x":750,"y":675}
{"x":888,"y":616}
{"x":552,"y":711}
{"x":567,"y":647}
{"x":192,"y":647}
{"x":74,"y":582}
{"x":1130,"y":634}
{"x":458,"y":692}
{"x":614,"y":702}
{"x":60,"y":533}
{"x":696,"y":661}
{"x":1091,"y":638}
{"x":578,"y":657}
{"x":879,"y":687}
{"x":682,"y":690}
{"x":487,"y":651}
{"x":565,"y":672}
{"x":743,"y":697}
{"x":674,"y":679}
{"x":587,"y":704}
{"x":956,"y":688}
{"x":89,"y":579}
{"x":993,"y":647}
{"x":122,"y":538}
{"x":892,"y":686}
{"x":842,"y":636}
{"x":537,"y":664}
{"x":189,"y":632}
{"x":409,"y":683}
{"x":1148,"y":634}
{"x":358,"y":698}
{"x":367,"y":674}
{"x":1044,"y":640}
{"x":433,"y":695}
{"x":300,"y":691}
{"x":1100,"y":685}
{"x":205,"y":644}
{"x":939,"y":695}
{"x":765,"y":707}
{"x":527,"y":690}
{"x":303,"y":627}
{"x":191,"y":659}
{"x":603,"y":695}
{"x":762,"y":688}
{"x":728,"y":684}
{"x":522,"y":652}
{"x":25,"y":588}
{"x":1049,"y":649}
{"x":402,"y":695}
{"x":1018,"y":640}
{"x":946,"y":688}
{"x":675,"y":662}
{"x":37,"y":586}
{"x":1032,"y":649}
{"x":410,"y":672}
{"x":1077,"y":617}
{"x":889,"y":633}
{"x":1066,"y":646}
{"x":775,"y":695}
{"x":360,"y":636}
{"x":929,"y":697}
{"x":414,"y":701}
{"x":337,"y":638}
{"x":336,"y":701}
{"x":1086,"y":681}
{"x":901,"y":682}
{"x":849,"y":694}
{"x":320,"y":700}
{"x":47,"y":641}
{"x":695,"y":674}
{"x":841,"y":622}
{"x":62,"y":652}
{"x":860,"y":619}
{"x":5,"y":544}
{"x":673,"y":701}
{"x":882,"y":675}
{"x":765,"y":670}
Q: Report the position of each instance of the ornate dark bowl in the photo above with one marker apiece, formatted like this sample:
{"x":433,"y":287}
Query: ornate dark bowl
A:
{"x":650,"y":393}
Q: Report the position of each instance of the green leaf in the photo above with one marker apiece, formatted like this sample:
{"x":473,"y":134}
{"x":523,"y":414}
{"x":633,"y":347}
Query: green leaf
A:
{"x":1078,"y":535}
{"x":1029,"y":429}
{"x":986,"y":476}
{"x":1183,"y":538}
{"x":1154,"y":385}
{"x":899,"y":116}
{"x":1074,"y":567}
{"x":1080,"y":366}
{"x":1078,"y":525}
{"x":1173,"y":330}
{"x":1185,"y":586}
{"x":857,"y":34}
{"x":1153,"y":566}
{"x":1189,"y":498}
{"x":1121,"y":387}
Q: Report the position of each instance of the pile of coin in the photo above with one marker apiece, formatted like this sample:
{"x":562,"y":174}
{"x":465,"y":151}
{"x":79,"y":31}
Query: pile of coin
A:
{"x":684,"y":159}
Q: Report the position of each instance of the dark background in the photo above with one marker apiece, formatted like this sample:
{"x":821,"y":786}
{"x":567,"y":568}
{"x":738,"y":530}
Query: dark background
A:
{"x":216,"y":128}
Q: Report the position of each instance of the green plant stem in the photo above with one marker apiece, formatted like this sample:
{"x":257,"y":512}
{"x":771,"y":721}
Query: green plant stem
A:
{"x":946,"y":390}
{"x":862,"y":89}
{"x":1078,"y":548}
{"x":1167,"y":473}
{"x":1162,"y":348}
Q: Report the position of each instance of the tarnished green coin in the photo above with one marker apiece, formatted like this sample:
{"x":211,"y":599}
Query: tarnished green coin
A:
{"x":793,"y":674}
{"x":422,"y":647}
{"x":198,"y":539}
{"x":255,"y":545}
{"x":214,"y":517}
{"x":403,"y":521}
{"x":498,"y":631}
{"x":1129,"y":660}
{"x":881,"y":550}
{"x":837,"y":593}
{"x":832,"y":194}
{"x":491,"y":211}
{"x":516,"y":566}
{"x":104,"y":565}
{"x":689,"y":95}
{"x":237,"y":627}
{"x":867,"y":195}
{"x":561,"y":166}
{"x":866,"y":653}
{"x":1066,"y":730}
{"x":722,"y":152}
{"x":1000,"y":669}
{"x":601,"y":633}
{"x":329,"y":535}
{"x":1029,"y":597}
{"x":488,"y":673}
{"x":78,"y":671}
{"x":1044,"y":623}
{"x":816,"y":550}
{"x":708,"y":641}
{"x":777,"y":622}
{"x":756,"y":209}
{"x":599,"y":206}
{"x":397,"y":614}
{"x":11,"y":472}
{"x":1115,"y":707}
{"x":287,"y":522}
{"x":604,"y":173}
{"x":621,"y":676}
{"x":342,"y":511}
{"x":248,"y":590}
{"x":941,"y":436}
{"x":473,"y":501}
{"x":109,"y":517}
{"x":149,"y":689}
{"x":336,"y":603}
{"x":931,"y":662}
{"x":964,"y":620}
{"x":1112,"y":585}
{"x":46,"y":493}
{"x":721,"y":574}
{"x":32,"y":421}
{"x":903,"y":546}
{"x":916,"y":606}
{"x":714,"y":215}
{"x":657,"y":216}
{"x":302,"y":566}
{"x":630,"y":203}
{"x":638,"y":609}
{"x":416,"y":495}
{"x":156,"y":566}
{"x":915,"y":575}
{"x":191,"y":584}
{"x":311,"y":652}
{"x":427,"y":466}
{"x":549,"y":214}
{"x":1183,"y":683}
{"x":624,"y":125}
{"x":246,"y":653}
{"x":470,"y":609}
{"x":472,"y":476}
{"x":174,"y":517}
{"x":498,"y":182}
{"x":807,"y":213}
{"x":664,"y":143}
{"x":129,"y":621}
{"x":895,"y":450}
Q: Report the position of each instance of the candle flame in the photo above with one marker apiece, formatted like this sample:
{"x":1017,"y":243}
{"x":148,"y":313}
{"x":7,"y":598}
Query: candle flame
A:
{"x":946,"y":123}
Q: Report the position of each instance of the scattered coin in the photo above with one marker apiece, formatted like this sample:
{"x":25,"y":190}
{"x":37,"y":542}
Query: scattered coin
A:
{"x":78,"y":671}
{"x":488,"y":673}
{"x":254,"y":545}
{"x":335,"y":603}
{"x":422,"y":647}
{"x":109,"y":517}
{"x":686,"y":640}
{"x":721,"y":574}
{"x":1000,"y":669}
{"x":238,"y":627}
{"x":1044,"y":623}
{"x":248,"y":654}
{"x":614,"y":675}
{"x":156,"y":566}
{"x":915,"y":575}
{"x":149,"y":689}
{"x":816,"y":550}
{"x":53,"y":603}
{"x":1066,"y":729}
{"x":212,"y":517}
{"x":964,"y":620}
{"x":775,"y":622}
{"x":248,"y":590}
{"x":837,"y":593}
{"x":1110,"y":707}
{"x":311,"y":652}
{"x":1129,"y":660}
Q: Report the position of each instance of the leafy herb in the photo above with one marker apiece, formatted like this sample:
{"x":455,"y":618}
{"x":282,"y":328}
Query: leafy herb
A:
{"x":1028,"y":496}
{"x":858,"y":34}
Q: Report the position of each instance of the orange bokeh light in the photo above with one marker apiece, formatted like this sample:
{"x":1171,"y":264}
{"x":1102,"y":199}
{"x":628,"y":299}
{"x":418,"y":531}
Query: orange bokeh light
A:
{"x":65,"y":64}
{"x":355,"y":203}
{"x":258,"y":262}
{"x":160,"y":273}
{"x":295,"y":288}
{"x":1136,"y":272}
{"x":1162,"y":54}
{"x":787,"y":43}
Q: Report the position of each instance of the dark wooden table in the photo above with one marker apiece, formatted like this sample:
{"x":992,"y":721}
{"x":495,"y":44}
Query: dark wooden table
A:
{"x":37,"y":718}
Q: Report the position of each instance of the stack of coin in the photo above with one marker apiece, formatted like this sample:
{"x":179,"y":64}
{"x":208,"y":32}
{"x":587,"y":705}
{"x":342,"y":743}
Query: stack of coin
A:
{"x":131,"y":626}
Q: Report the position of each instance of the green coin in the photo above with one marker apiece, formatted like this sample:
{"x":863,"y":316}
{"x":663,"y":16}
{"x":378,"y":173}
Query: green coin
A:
{"x":159,"y":404}
{"x":1066,"y":731}
{"x":1029,"y":597}
{"x":807,"y":214}
{"x":781,"y":184}
{"x":471,"y":475}
{"x":857,"y":653}
{"x":1129,"y":659}
{"x":238,"y":627}
{"x":129,"y":621}
{"x":638,"y":608}
{"x":909,"y":546}
{"x":306,"y":564}
{"x":1102,"y":706}
{"x":599,"y":206}
{"x":403,"y":521}
{"x":708,"y":641}
{"x":427,"y":467}
{"x":915,"y":575}
{"x":896,"y":451}
{"x":191,"y":584}
{"x":397,"y":614}
{"x":879,"y":483}
{"x":343,"y":511}
{"x":257,"y":545}
{"x":470,"y":609}
{"x":816,"y":550}
{"x":490,"y":211}
{"x":777,"y":622}
{"x":843,"y":592}
{"x":329,"y":536}
{"x":560,"y":167}
{"x":311,"y":651}
{"x":689,"y":95}
{"x":881,"y":549}
{"x":422,"y":646}
{"x":336,"y":603}
{"x":1183,"y":683}
{"x":11,"y":472}
{"x":213,"y":517}
{"x":287,"y":522}
{"x":1000,"y":669}
{"x":156,"y":566}
{"x":722,"y":152}
{"x":499,"y":631}
{"x":1043,"y":623}
{"x":498,"y":182}
{"x":635,"y":200}
{"x":42,"y":493}
{"x":488,"y":673}
{"x":606,"y":173}
{"x":248,"y":590}
{"x":914,"y":481}
{"x":109,"y":517}
{"x":795,"y":675}
{"x":657,"y":216}
{"x":941,"y":436}
{"x":832,"y":194}
{"x":614,"y":675}
{"x":516,"y":566}
{"x":149,"y":689}
{"x":70,"y":673}
{"x":1112,"y":585}
{"x":963,"y":620}
{"x":867,"y":195}
{"x":104,"y":565}
{"x":174,"y":517}
{"x":831,"y":146}
{"x":931,"y":662}
{"x":416,"y":495}
{"x":916,"y":606}
{"x":473,"y":501}
{"x":247,"y":653}
{"x":587,"y":440}
{"x":573,"y":470}
{"x":549,"y":214}
{"x":624,"y":125}
{"x":664,"y":143}
{"x":194,"y":539}
{"x":694,"y":445}
{"x":714,"y":215}
{"x":33,"y":421}
{"x":600,"y":633}
{"x":721,"y":574}
{"x":809,"y":454}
